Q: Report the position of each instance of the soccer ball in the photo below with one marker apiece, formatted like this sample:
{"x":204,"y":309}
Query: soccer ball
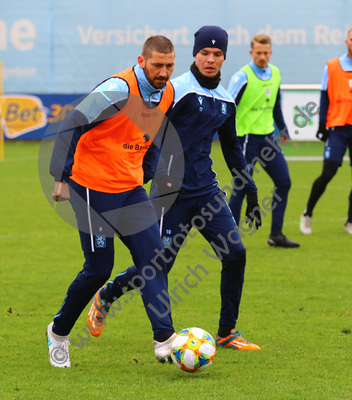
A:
{"x":193,"y":350}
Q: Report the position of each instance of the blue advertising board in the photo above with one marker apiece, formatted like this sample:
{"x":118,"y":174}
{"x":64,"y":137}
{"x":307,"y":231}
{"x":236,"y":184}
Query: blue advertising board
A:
{"x":28,"y":116}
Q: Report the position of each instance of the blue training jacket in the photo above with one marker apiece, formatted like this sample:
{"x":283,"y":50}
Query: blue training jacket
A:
{"x":197,"y":114}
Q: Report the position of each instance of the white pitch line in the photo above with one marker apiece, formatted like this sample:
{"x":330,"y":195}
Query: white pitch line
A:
{"x":294,"y":187}
{"x":317,"y":221}
{"x":292,"y":158}
{"x":20,"y":159}
{"x":37,"y":235}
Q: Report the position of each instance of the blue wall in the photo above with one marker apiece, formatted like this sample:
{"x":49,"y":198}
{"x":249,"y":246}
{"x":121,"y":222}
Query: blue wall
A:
{"x":67,"y":46}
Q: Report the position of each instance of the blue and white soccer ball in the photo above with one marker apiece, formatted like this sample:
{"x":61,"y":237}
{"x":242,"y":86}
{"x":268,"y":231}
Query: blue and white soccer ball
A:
{"x":193,"y":350}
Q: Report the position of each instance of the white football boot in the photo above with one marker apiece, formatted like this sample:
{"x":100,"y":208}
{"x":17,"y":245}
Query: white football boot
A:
{"x":58,"y":349}
{"x":348,"y":227}
{"x":163,"y":349}
{"x":305,"y":224}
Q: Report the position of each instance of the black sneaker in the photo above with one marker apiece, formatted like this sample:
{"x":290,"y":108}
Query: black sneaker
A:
{"x":281,"y":241}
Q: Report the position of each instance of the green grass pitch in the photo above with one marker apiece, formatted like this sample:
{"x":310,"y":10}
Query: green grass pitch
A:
{"x":296,"y":303}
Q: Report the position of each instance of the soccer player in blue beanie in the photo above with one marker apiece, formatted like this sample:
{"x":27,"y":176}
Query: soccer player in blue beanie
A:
{"x":202,"y":107}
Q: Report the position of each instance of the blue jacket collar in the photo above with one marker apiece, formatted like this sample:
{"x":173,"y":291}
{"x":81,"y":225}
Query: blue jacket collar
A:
{"x":262,"y":73}
{"x":345,"y":62}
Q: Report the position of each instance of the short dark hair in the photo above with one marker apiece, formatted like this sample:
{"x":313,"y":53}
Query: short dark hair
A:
{"x":158,"y":43}
{"x":262,"y":39}
{"x":348,"y":32}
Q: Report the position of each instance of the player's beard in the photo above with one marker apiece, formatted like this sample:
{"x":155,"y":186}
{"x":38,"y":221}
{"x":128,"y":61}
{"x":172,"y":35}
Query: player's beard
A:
{"x":155,"y":82}
{"x":263,"y":64}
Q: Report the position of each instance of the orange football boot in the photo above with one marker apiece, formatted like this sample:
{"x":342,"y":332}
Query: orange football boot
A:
{"x":96,"y":318}
{"x":235,"y":341}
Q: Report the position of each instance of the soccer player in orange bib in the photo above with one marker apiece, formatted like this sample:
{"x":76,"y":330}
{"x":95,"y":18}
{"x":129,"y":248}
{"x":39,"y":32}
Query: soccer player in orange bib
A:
{"x":102,"y":156}
{"x":335,"y":129}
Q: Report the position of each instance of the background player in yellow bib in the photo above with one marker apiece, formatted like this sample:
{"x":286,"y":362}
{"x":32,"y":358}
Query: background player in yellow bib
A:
{"x":256,"y":91}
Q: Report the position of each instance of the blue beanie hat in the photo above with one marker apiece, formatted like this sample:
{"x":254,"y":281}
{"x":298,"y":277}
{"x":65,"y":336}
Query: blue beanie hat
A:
{"x":210,"y":36}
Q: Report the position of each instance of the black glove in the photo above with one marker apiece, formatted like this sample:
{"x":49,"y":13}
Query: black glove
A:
{"x":322,"y":133}
{"x":253,"y":214}
{"x":166,"y":184}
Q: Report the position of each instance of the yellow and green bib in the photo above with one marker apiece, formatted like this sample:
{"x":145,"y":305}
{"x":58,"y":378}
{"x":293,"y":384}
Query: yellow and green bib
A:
{"x":255,"y":110}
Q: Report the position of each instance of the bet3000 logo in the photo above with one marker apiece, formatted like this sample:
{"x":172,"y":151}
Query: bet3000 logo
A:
{"x":22,"y":114}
